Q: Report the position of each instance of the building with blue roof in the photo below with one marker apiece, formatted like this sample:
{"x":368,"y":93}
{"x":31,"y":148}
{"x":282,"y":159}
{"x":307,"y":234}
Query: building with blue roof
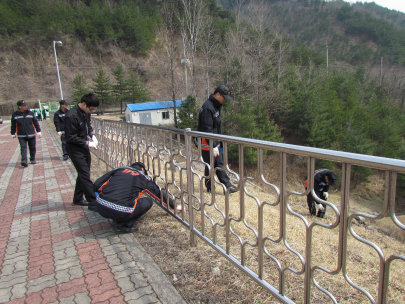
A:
{"x":152,"y":113}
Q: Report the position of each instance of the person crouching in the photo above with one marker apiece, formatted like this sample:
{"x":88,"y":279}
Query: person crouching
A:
{"x":120,"y":196}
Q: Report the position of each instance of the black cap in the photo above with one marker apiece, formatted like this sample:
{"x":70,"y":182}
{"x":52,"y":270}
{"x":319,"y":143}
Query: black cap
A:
{"x":223,"y":90}
{"x":139,"y":166}
{"x":63,"y":102}
{"x":21,"y":103}
{"x":332,"y":178}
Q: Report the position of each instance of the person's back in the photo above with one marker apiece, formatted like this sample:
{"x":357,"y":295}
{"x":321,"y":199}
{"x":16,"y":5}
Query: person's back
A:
{"x":24,"y":123}
{"x":121,"y":195}
{"x":124,"y":186}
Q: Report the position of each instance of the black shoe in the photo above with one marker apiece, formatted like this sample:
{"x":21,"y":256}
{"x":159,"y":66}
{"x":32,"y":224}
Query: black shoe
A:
{"x":321,"y":214}
{"x":232,"y":189}
{"x":208,"y":190}
{"x":120,"y":228}
{"x":81,"y":203}
{"x":24,"y":164}
{"x":92,"y":208}
{"x":65,"y":157}
{"x":33,"y":162}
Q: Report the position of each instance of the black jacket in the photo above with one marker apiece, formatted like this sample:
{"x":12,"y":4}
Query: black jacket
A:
{"x":320,"y":184}
{"x":121,"y":188}
{"x":209,"y":120}
{"x":78,"y":127}
{"x":59,"y":120}
{"x":23,"y":123}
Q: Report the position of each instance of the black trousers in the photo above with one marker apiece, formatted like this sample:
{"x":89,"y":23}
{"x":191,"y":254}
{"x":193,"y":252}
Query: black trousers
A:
{"x":63,"y":140}
{"x":127,"y":219}
{"x":32,"y":147}
{"x":218,"y":163}
{"x":81,"y":159}
{"x":311,"y":205}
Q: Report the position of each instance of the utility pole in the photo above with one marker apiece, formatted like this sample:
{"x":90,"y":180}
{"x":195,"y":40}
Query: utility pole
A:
{"x":381,"y":70}
{"x":327,"y":58}
{"x":185,"y":61}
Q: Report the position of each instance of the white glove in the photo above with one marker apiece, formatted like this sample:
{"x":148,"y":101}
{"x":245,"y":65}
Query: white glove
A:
{"x":326,"y":195}
{"x":94,"y":139}
{"x":60,"y":134}
{"x":13,"y":136}
{"x":215,"y":151}
{"x":319,"y":207}
{"x":39,"y":134}
{"x":92,"y":144}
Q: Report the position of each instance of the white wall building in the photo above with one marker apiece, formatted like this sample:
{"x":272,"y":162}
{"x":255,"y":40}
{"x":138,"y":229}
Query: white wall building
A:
{"x":152,"y":113}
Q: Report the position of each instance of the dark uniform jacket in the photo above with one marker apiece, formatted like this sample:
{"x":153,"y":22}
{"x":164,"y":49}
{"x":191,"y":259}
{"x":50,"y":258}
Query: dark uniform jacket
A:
{"x":59,"y":120}
{"x":320,"y":184}
{"x":120,"y":189}
{"x":209,"y":120}
{"x":24,"y":124}
{"x":78,"y":127}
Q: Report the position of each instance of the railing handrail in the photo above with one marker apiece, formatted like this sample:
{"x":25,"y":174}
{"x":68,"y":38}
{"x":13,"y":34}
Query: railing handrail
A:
{"x":153,"y":144}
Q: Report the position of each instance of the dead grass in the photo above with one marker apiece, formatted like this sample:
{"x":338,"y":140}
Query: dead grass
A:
{"x":202,"y":275}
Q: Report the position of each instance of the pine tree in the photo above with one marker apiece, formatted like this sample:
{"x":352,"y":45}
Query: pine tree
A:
{"x":102,"y":89}
{"x":188,"y":114}
{"x":119,"y":89}
{"x":136,"y":91}
{"x":79,"y":88}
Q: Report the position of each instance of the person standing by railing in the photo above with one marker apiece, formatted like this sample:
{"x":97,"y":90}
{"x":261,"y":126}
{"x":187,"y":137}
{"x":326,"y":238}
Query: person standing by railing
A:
{"x":78,"y":131}
{"x":323,"y":178}
{"x":59,"y":121}
{"x":209,"y":121}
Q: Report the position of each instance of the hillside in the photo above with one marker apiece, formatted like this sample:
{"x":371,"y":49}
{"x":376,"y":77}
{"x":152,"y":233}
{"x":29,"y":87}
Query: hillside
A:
{"x":28,"y":67}
{"x":269,"y":53}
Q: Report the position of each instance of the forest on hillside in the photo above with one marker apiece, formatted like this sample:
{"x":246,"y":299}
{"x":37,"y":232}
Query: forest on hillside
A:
{"x":284,"y":86}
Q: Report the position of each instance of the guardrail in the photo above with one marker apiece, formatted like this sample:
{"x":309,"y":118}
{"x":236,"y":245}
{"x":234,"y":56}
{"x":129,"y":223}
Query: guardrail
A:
{"x":265,"y":231}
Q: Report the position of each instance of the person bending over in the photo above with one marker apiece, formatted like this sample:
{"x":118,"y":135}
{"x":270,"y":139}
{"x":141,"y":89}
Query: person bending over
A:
{"x":78,"y":132}
{"x":120,"y":196}
{"x":323,"y":178}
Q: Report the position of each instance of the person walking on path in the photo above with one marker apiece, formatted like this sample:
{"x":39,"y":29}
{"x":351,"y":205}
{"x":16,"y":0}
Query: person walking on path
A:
{"x":209,"y":121}
{"x":44,"y":114}
{"x":120,"y":194}
{"x":323,"y":178}
{"x":23,"y":125}
{"x":39,"y":114}
{"x":59,"y":121}
{"x":78,"y":131}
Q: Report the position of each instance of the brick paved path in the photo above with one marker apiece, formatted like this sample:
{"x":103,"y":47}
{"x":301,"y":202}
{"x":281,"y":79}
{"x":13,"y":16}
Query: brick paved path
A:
{"x":54,"y":252}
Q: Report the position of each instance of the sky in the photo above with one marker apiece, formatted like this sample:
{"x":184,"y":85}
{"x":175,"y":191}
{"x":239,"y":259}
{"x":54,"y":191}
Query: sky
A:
{"x":398,"y":5}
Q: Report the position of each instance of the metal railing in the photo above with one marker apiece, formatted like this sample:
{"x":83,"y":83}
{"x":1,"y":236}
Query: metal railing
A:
{"x":284,"y":264}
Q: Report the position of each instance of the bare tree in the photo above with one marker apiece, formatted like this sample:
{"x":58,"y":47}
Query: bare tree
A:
{"x":209,"y":45}
{"x":260,"y":45}
{"x":192,"y":21}
{"x":168,"y":35}
{"x":282,"y":51}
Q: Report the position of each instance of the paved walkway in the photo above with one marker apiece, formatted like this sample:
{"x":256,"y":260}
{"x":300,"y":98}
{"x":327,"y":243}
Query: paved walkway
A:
{"x":54,"y":252}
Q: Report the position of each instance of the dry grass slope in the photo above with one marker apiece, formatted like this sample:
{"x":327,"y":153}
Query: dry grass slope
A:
{"x":203,"y":276}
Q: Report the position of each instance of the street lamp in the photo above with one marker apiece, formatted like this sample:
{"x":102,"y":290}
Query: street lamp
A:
{"x":57,"y":67}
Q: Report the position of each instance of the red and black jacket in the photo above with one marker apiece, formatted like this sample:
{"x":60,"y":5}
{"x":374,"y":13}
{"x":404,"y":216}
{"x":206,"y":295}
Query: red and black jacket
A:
{"x":24,"y":124}
{"x":121,"y":188}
